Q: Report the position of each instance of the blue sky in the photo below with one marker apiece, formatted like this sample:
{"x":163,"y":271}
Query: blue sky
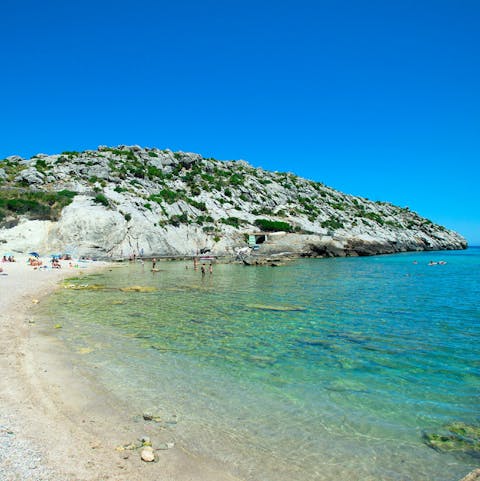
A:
{"x":375,"y":98}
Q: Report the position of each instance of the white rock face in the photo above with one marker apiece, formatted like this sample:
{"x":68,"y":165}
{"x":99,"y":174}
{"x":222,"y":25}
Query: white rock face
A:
{"x":27,"y":236}
{"x":87,"y":228}
{"x":158,"y":202}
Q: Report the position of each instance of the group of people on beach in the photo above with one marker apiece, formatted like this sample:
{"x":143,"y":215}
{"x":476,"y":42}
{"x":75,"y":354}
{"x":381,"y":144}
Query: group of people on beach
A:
{"x":6,"y":259}
{"x":35,"y":262}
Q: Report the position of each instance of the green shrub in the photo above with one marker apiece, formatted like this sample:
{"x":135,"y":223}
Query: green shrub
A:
{"x":233,"y":221}
{"x":170,"y":196}
{"x":204,"y":218}
{"x":101,"y":199}
{"x":332,"y":223}
{"x":262,"y":211}
{"x":338,"y":205}
{"x":68,"y":194}
{"x":152,"y":154}
{"x":26,"y":206}
{"x":392,"y":223}
{"x":198,"y":205}
{"x":125,"y":153}
{"x":237,"y":179}
{"x":166,"y":195}
{"x":273,"y":225}
{"x":207,"y":178}
{"x":34,"y":204}
{"x":154,"y":172}
{"x":40,"y":164}
{"x":265,"y":181}
{"x":375,"y":217}
{"x":176,"y":220}
{"x":128,"y":216}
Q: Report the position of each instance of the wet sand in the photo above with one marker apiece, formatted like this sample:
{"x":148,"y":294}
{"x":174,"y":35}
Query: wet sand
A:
{"x":56,"y":422}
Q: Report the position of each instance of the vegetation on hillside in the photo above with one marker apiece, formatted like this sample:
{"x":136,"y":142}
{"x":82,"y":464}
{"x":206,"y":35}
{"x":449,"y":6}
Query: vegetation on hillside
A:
{"x":33,"y":204}
{"x":175,"y":188}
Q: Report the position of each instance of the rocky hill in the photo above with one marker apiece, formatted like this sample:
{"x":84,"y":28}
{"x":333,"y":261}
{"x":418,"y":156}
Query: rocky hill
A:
{"x":113,"y":202}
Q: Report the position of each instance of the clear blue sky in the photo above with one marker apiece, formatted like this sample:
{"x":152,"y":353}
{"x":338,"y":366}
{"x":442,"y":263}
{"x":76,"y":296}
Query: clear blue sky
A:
{"x":374,"y":98}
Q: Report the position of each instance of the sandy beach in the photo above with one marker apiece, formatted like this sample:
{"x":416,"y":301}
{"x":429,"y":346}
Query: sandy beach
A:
{"x":56,"y":423}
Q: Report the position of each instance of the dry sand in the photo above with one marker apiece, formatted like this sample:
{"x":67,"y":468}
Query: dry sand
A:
{"x":56,"y":422}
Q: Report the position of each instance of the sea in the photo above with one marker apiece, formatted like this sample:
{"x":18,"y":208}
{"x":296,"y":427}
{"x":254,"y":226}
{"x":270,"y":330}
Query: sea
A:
{"x":319,"y":369}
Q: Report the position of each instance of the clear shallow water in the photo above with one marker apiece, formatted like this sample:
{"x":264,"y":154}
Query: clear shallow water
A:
{"x":377,"y":351}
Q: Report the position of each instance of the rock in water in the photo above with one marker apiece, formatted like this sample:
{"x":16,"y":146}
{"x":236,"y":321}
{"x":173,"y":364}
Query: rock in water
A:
{"x":473,"y":476}
{"x":148,"y":454}
{"x":457,"y":437}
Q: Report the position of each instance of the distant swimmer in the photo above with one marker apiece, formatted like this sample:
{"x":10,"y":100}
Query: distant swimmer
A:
{"x":154,"y":263}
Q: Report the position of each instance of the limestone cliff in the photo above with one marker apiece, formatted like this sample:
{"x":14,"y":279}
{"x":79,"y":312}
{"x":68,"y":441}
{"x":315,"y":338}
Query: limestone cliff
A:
{"x":113,"y":202}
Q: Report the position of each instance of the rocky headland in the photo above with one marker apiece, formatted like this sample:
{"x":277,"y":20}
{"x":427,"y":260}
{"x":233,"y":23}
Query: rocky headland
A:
{"x":114,"y":202}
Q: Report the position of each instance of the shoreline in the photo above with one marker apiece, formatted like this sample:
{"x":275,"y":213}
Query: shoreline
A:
{"x":56,"y":422}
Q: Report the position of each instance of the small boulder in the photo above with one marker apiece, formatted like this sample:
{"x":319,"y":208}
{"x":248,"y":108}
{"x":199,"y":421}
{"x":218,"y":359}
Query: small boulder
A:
{"x":473,"y":476}
{"x":14,"y":158}
{"x":152,"y":417}
{"x":148,"y":454}
{"x":30,"y":176}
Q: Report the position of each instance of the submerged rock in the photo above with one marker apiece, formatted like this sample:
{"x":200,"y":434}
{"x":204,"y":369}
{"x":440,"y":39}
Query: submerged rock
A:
{"x":138,"y":289}
{"x":473,"y":476}
{"x":262,"y":307}
{"x":458,"y":438}
{"x":85,"y":287}
{"x":152,"y":417}
{"x":465,"y":430}
{"x":85,"y":350}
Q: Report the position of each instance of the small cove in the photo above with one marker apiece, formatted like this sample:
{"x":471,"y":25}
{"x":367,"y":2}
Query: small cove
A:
{"x":320,"y":369}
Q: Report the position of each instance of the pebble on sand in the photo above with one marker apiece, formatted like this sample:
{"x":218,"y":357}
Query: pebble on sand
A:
{"x":148,"y":454}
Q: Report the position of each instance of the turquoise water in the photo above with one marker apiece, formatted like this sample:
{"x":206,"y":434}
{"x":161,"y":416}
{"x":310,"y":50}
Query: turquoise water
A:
{"x":319,"y":369}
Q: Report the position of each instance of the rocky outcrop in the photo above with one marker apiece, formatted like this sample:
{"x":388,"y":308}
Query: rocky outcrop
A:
{"x":113,"y":202}
{"x":472,"y":476}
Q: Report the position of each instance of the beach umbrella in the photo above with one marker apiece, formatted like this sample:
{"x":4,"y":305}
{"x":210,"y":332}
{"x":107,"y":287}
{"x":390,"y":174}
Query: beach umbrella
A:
{"x":8,"y":254}
{"x":34,"y":254}
{"x":55,"y":256}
